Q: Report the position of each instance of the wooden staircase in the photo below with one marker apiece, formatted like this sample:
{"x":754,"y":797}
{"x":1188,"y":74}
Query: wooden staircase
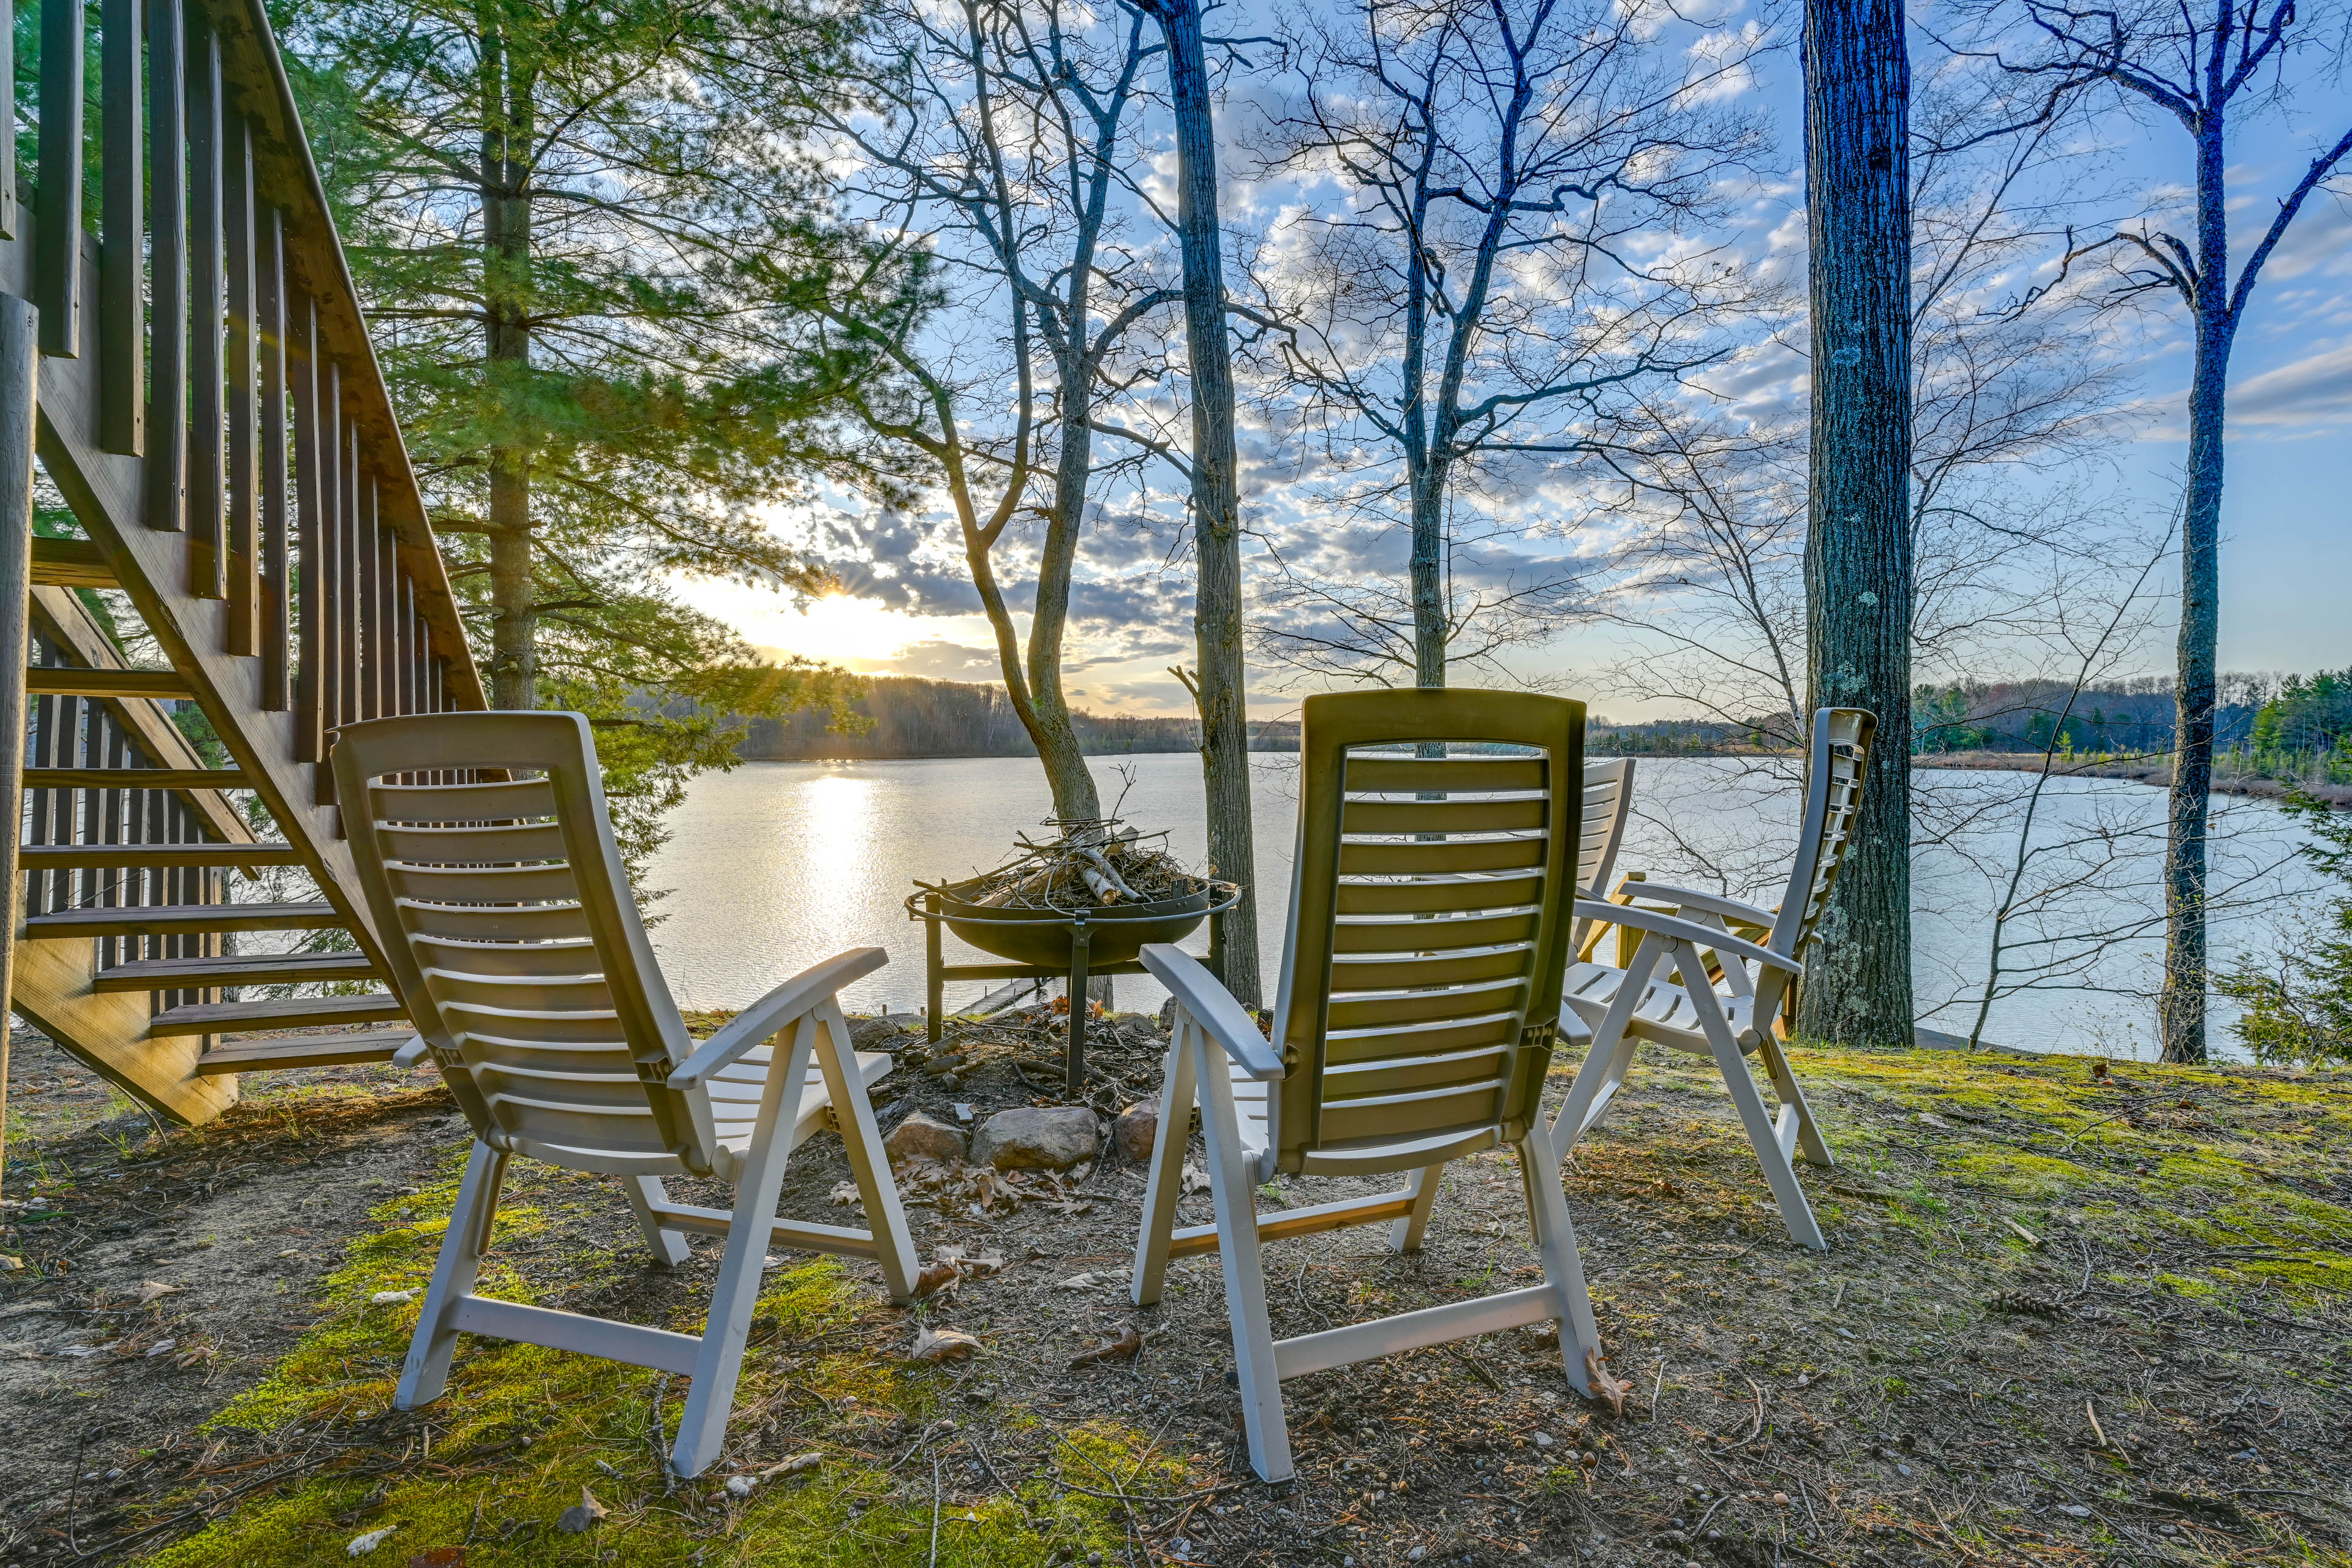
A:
{"x":188,"y":367}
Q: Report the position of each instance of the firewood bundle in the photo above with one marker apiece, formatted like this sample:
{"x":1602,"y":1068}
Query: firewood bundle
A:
{"x":1087,"y":865}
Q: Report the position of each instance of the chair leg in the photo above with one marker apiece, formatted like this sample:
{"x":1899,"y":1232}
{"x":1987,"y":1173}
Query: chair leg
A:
{"x":1166,"y":1183}
{"x":669,"y":1245}
{"x":1237,"y":1248}
{"x":702,"y":1430}
{"x":1793,"y":1101}
{"x":427,"y":1370}
{"x":1563,"y":1265}
{"x":1796,"y":1214}
{"x":1610,"y":1056}
{"x":1404,"y":1234}
{"x":861,"y":1138}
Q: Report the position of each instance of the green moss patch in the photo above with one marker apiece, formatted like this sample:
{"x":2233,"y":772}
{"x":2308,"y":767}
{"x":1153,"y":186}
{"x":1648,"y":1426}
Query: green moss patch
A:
{"x":524,"y":1433}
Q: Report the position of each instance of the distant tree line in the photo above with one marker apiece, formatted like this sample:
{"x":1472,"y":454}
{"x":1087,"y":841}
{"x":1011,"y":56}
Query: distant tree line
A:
{"x":2137,"y":714}
{"x":906,"y":716}
{"x":909,"y":716}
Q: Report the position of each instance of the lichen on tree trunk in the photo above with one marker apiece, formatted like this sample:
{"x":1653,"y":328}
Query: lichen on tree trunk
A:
{"x":1217,"y":498}
{"x":1858,"y":575}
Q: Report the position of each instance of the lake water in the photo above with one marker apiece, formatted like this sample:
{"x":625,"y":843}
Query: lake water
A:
{"x":776,"y":865}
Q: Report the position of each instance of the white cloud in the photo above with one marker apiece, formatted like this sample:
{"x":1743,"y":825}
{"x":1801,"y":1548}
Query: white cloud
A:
{"x":2318,"y":389}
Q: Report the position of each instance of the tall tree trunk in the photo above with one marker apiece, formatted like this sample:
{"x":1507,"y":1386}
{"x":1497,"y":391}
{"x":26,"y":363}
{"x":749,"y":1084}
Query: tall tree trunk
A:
{"x":1858,"y":578}
{"x":1429,"y":574}
{"x":1075,"y":797}
{"x":2180,"y":1009}
{"x":506,"y":308}
{"x":1216,"y":497}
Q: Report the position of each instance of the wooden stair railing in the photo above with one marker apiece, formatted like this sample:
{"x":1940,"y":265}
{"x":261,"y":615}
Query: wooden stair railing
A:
{"x":189,"y":367}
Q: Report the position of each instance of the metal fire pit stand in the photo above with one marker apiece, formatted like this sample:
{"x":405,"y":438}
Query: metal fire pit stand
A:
{"x":1084,"y":923}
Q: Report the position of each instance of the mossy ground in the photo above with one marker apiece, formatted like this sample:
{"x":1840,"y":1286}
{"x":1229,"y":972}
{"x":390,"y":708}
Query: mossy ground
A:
{"x":2067,"y":1317}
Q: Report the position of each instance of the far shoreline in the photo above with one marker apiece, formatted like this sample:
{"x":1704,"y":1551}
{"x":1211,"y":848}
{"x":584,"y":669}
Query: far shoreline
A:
{"x":2147,"y":770}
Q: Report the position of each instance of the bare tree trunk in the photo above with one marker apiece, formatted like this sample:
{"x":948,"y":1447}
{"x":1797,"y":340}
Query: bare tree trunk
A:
{"x":1075,"y":795}
{"x":1858,"y":578}
{"x":1429,"y":576}
{"x":1216,"y":497}
{"x":506,"y":307}
{"x":2180,"y":1008}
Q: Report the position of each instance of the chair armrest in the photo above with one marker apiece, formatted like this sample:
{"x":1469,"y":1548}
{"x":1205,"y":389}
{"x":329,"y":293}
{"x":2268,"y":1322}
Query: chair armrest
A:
{"x":1673,"y":929}
{"x":1691,"y":897}
{"x":795,"y":997}
{"x":1214,"y":1008}
{"x":410,"y":1053}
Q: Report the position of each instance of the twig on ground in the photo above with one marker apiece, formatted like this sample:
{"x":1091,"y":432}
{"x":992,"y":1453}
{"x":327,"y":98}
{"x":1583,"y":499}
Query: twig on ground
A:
{"x":935,"y":1512}
{"x":1755,"y":1430}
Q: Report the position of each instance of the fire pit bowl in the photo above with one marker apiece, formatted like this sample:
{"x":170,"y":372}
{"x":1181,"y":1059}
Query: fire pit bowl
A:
{"x":1115,"y":932}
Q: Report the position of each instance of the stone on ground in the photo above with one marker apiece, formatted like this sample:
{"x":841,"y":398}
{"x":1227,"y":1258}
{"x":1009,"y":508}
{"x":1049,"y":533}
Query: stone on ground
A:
{"x":1047,"y":1138}
{"x":867,"y":1033}
{"x":924,"y":1137}
{"x":1136,"y":1128}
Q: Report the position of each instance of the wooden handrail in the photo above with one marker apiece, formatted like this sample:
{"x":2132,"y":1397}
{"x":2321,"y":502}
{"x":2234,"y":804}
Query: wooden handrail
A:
{"x":206,"y":398}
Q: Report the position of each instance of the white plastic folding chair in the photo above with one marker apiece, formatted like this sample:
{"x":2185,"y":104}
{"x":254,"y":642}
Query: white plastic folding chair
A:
{"x":514,"y":942}
{"x":1418,"y":1000}
{"x":1725,"y":1008}
{"x":1608,"y":799}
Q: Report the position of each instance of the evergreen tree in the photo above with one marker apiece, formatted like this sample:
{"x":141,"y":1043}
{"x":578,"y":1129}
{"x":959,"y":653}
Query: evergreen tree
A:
{"x":571,"y":225}
{"x":2299,"y":1004}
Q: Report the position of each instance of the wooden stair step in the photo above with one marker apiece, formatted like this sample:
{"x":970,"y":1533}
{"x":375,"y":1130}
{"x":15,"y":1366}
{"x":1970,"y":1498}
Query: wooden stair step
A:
{"x":136,"y":778}
{"x":281,"y":1013}
{"x":64,"y":680}
{"x":302,"y":1051}
{"x":99,"y":856}
{"x":70,"y":563}
{"x":183,"y":920}
{"x":236,"y":969}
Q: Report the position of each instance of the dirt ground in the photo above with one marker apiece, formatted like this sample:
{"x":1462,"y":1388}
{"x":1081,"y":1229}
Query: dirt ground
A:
{"x":2069,"y":1314}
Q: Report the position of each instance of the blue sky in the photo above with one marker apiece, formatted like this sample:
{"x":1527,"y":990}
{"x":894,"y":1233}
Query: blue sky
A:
{"x":2286,"y":567}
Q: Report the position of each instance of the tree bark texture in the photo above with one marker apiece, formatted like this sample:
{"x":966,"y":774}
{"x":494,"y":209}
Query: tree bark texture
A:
{"x":2180,"y":1007}
{"x":1858,"y":572}
{"x":506,"y":305}
{"x":1216,"y":497}
{"x":1075,"y":795}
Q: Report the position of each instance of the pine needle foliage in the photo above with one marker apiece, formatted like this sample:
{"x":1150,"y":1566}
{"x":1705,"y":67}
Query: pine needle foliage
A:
{"x":2298,"y":1002}
{"x":577,"y":230}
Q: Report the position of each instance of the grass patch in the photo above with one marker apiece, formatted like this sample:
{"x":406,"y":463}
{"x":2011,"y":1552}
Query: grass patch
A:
{"x":523,"y":1431}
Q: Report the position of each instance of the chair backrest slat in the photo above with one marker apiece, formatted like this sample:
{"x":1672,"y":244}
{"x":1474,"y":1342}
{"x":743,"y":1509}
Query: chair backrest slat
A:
{"x":511,"y":932}
{"x":1833,"y":781}
{"x":1431,"y":902}
{"x":1607,"y":793}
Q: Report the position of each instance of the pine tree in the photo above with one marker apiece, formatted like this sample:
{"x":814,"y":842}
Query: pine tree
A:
{"x":571,"y":227}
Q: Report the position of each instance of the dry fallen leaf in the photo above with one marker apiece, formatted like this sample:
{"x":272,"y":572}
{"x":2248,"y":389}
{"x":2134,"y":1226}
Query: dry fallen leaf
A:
{"x":845,"y":1193}
{"x":154,"y":1290}
{"x":943,"y":1344}
{"x":1604,"y":1386}
{"x":583,"y":1517}
{"x":1195,"y":1180}
{"x":796,"y":1465}
{"x":937,"y":1278}
{"x":360,"y":1545}
{"x":971,"y":1265}
{"x":1121,"y":1349}
{"x":439,"y":1557}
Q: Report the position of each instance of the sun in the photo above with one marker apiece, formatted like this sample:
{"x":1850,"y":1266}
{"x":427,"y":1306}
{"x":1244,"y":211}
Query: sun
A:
{"x":835,"y":629}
